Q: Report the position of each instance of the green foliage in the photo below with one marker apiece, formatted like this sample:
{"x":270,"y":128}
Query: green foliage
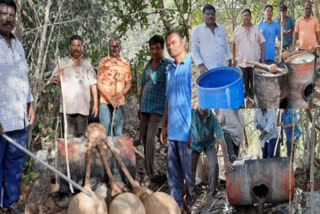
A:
{"x":28,"y":169}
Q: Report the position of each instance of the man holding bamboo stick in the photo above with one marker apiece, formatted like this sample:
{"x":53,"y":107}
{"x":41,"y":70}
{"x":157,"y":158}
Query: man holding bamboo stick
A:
{"x":307,"y":29}
{"x":79,"y":78}
{"x":16,"y":111}
{"x":288,"y":28}
{"x":288,"y":125}
{"x":114,"y":81}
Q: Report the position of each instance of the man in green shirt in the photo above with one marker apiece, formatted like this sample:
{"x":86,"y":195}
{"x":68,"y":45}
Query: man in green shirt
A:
{"x":205,"y":131}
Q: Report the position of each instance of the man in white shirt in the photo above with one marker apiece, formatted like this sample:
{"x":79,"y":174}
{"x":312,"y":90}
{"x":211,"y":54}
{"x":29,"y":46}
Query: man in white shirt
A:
{"x":266,"y":121}
{"x":209,"y":42}
{"x":233,"y":126}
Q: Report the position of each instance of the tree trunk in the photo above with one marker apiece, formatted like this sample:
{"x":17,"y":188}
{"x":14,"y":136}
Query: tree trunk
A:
{"x":313,"y":134}
{"x":19,"y":25}
{"x":40,"y":61}
{"x":162,"y":12}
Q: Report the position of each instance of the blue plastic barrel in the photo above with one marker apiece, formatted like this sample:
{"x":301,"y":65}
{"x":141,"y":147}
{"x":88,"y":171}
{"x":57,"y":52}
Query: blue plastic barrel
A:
{"x":220,"y":88}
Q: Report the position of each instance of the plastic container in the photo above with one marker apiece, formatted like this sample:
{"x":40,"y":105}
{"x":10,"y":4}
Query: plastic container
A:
{"x":220,"y":88}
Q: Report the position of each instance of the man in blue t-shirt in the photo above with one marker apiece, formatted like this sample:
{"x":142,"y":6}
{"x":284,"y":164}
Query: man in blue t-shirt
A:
{"x":287,"y":124}
{"x":177,"y":118}
{"x":270,"y":30}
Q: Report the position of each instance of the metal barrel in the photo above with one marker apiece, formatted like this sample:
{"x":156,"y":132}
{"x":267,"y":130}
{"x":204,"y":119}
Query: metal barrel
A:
{"x":77,"y":152}
{"x":270,"y":90}
{"x":47,"y":165}
{"x":301,"y":83}
{"x":264,"y":179}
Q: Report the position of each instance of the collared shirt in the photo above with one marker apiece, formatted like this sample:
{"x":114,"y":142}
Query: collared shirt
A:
{"x":153,"y":81}
{"x":287,"y":118}
{"x":113,"y":74}
{"x":232,"y":122}
{"x":210,"y":48}
{"x":77,"y":81}
{"x":288,"y":25}
{"x":15,"y":90}
{"x":247,"y":42}
{"x":268,"y":122}
{"x":204,"y":133}
{"x":269,"y":32}
{"x":178,"y":93}
{"x":307,"y":29}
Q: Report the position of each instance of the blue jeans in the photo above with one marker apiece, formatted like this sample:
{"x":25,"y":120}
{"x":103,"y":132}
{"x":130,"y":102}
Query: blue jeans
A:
{"x":11,"y":163}
{"x":178,"y":169}
{"x":268,"y":149}
{"x":105,"y":117}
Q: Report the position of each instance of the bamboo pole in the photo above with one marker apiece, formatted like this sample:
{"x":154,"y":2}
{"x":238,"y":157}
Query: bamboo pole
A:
{"x":281,"y":35}
{"x":291,"y":168}
{"x":65,"y":126}
{"x":114,"y":108}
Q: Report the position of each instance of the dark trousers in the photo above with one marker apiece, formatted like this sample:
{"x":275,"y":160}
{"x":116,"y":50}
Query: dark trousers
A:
{"x":179,"y":169}
{"x":77,"y":125}
{"x":233,"y":149}
{"x":248,"y":81}
{"x":212,"y":165}
{"x":149,"y":123}
{"x":289,"y":142}
{"x":11,"y":163}
{"x":268,"y":149}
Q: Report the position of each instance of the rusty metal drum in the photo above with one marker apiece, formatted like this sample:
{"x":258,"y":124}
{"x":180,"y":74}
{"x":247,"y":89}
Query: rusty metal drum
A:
{"x":262,"y":179}
{"x":77,"y":155}
{"x":301,"y":83}
{"x":271,"y":90}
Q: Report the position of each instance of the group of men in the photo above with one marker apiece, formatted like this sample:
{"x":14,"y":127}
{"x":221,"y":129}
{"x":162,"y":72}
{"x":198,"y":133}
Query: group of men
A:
{"x":165,"y":91}
{"x":165,"y":95}
{"x":210,"y":48}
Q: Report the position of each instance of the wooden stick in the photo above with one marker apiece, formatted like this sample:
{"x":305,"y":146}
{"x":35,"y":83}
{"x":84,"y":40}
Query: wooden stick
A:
{"x":307,"y":51}
{"x":290,"y":172}
{"x":115,"y":189}
{"x":65,"y":126}
{"x":114,"y":108}
{"x":261,"y":65}
{"x":139,"y":191}
{"x":281,"y":35}
{"x":88,"y":167}
{"x":279,"y":133}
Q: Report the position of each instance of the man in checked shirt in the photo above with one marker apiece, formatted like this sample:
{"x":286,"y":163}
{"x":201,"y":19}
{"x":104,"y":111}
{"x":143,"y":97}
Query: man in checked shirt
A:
{"x":16,"y":111}
{"x":152,"y":101}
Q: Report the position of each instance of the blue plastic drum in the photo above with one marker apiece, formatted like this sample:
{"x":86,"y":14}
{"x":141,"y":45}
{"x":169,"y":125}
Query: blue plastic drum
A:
{"x":220,"y":88}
